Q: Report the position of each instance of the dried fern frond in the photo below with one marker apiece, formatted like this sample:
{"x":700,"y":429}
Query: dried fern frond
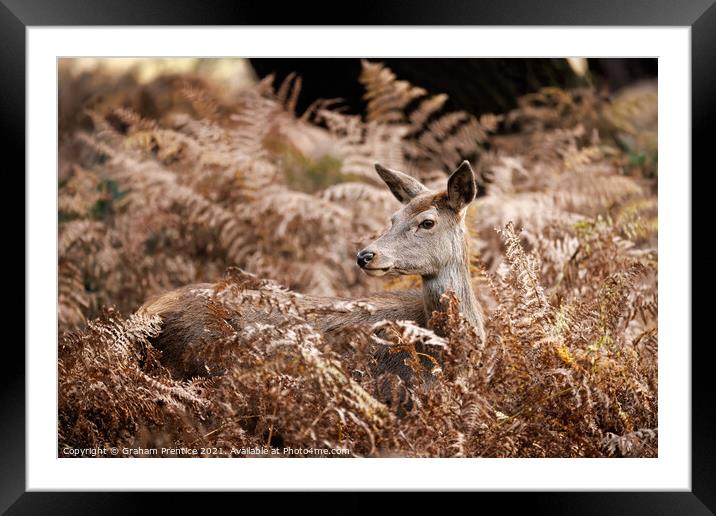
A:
{"x":432,"y":139}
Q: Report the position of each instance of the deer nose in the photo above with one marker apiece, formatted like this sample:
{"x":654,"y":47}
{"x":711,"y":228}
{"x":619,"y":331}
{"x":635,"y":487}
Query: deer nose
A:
{"x":364,"y":257}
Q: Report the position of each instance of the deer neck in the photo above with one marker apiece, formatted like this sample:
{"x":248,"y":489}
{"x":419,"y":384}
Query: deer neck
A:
{"x":455,"y":276}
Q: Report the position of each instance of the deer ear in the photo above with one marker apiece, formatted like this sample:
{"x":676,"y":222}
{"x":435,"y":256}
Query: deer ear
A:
{"x":462,"y":187}
{"x":402,"y":185}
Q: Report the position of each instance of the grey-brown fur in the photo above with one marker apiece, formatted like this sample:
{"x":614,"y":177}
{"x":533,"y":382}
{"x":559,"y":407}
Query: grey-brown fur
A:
{"x":438,"y":254}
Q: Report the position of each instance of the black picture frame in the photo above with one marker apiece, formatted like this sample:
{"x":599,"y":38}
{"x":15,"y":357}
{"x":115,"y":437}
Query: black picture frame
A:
{"x":699,"y":15}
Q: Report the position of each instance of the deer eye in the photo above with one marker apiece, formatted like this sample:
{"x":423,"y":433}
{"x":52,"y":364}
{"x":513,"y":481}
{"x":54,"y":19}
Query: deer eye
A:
{"x":427,"y":224}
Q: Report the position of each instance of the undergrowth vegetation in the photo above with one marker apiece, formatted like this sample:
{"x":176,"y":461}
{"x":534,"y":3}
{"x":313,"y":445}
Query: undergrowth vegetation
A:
{"x":245,"y":193}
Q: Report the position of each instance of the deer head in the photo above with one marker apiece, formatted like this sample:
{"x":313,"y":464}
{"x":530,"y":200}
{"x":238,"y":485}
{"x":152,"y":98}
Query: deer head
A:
{"x":428,"y":233}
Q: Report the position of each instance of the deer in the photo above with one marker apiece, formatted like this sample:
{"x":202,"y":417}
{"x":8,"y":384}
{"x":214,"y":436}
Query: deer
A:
{"x":427,"y":237}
